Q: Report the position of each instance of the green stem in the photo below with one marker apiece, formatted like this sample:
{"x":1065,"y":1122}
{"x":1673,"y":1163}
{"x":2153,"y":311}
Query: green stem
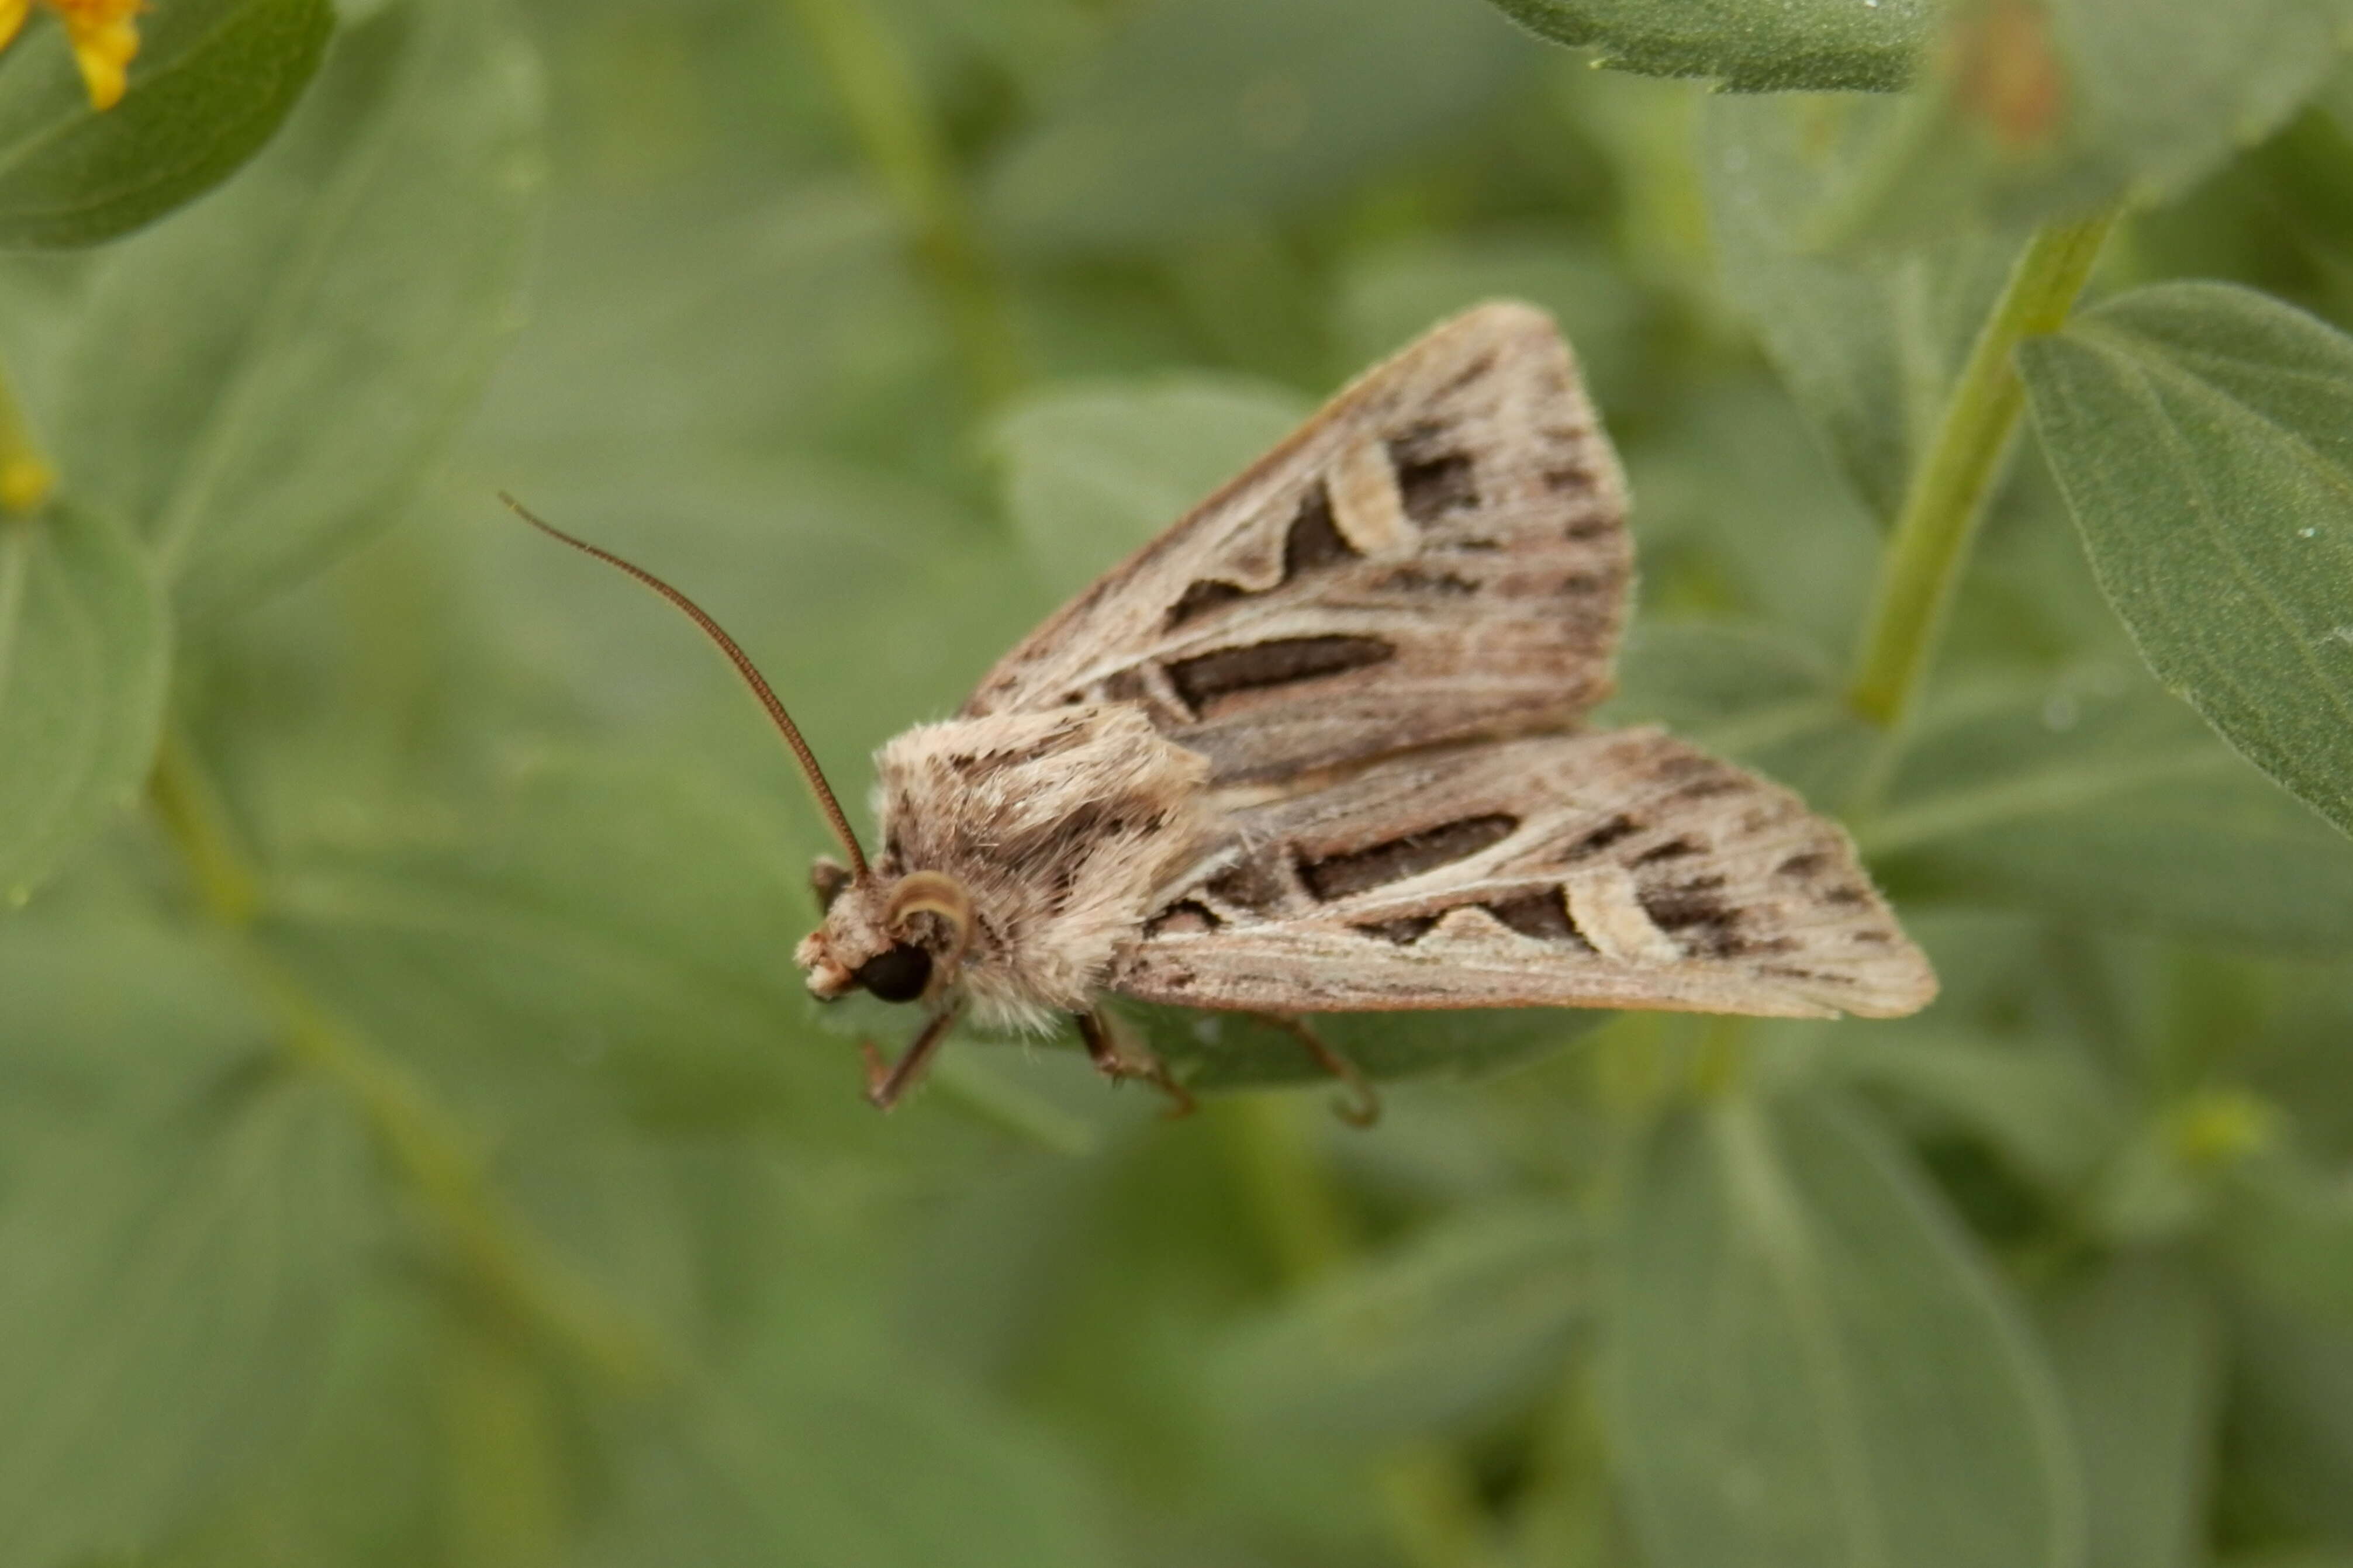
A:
{"x":876,"y":88}
{"x":1433,"y":1505}
{"x":425,"y":1143}
{"x":26,"y":476}
{"x":1923,"y":563}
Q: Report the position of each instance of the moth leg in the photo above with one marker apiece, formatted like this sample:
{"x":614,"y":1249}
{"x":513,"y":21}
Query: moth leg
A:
{"x":887,"y":1082}
{"x":1361,"y":1106}
{"x":1103,"y":1050}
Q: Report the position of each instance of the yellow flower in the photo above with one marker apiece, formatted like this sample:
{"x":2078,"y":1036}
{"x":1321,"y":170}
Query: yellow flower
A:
{"x":101,"y":33}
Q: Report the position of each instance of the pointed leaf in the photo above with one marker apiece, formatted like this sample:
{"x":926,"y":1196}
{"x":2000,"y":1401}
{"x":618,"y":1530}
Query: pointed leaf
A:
{"x":212,"y":80}
{"x":1869,"y":346}
{"x":1808,"y":1366}
{"x":2203,"y":435}
{"x":1817,"y":45}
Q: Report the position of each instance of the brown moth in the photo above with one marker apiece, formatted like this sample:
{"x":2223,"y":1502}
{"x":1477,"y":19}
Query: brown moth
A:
{"x":1317,"y":748}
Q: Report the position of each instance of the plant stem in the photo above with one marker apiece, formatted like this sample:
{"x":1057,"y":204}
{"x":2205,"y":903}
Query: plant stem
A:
{"x":1432,"y":1506}
{"x":424,"y":1142}
{"x":1923,"y":563}
{"x":876,"y":88}
{"x":26,"y":476}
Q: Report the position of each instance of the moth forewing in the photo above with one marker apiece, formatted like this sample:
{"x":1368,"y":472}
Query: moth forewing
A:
{"x":1440,"y":553}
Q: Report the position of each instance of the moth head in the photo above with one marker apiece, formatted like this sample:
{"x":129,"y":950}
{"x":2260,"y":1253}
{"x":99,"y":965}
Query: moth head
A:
{"x":903,"y":942}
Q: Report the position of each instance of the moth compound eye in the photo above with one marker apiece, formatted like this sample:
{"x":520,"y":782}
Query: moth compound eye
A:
{"x":898,"y":974}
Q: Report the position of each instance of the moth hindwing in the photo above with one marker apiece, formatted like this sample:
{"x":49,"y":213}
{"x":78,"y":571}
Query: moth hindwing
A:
{"x":1321,"y":747}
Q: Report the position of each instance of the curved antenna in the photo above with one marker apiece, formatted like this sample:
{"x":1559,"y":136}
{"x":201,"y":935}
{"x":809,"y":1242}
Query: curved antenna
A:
{"x":743,"y":667}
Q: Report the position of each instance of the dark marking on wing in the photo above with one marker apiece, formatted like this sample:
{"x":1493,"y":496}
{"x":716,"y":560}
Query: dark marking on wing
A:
{"x":1672,"y":850}
{"x":1202,"y":598}
{"x":1337,"y":876}
{"x":1414,"y":580}
{"x":1313,"y":541}
{"x":1250,"y":886}
{"x":1602,"y":838}
{"x":1543,"y":914}
{"x":1812,"y":976}
{"x":1432,"y":487}
{"x":1804,"y":865}
{"x":1404,"y":932}
{"x":1695,"y":914}
{"x":1208,"y":675}
{"x":1181,"y":919}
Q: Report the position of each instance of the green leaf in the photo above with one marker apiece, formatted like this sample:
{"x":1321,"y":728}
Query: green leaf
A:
{"x":2035,"y":1101}
{"x":2040,"y":112}
{"x":1813,"y":44}
{"x":1808,"y":1366}
{"x":1736,"y":499}
{"x":2138,"y":1353}
{"x":1868,"y":346}
{"x":2097,"y":798}
{"x":173,"y":1245}
{"x":2203,"y":435}
{"x":213,"y":80}
{"x":1202,"y":111}
{"x":85,"y":651}
{"x":2290,"y":1423}
{"x":886,"y":1470}
{"x":258,"y":384}
{"x":1467,"y":1322}
{"x":1093,"y":472}
{"x":357,"y":1489}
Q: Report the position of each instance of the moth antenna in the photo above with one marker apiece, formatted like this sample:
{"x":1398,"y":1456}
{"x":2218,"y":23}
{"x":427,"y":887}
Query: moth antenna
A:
{"x":743,"y":667}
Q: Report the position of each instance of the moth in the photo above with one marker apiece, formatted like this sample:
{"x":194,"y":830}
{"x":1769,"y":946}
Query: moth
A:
{"x":1320,"y":747}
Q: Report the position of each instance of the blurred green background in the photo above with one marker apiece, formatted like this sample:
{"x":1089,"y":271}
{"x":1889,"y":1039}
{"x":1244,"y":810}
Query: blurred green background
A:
{"x":415,"y":1146}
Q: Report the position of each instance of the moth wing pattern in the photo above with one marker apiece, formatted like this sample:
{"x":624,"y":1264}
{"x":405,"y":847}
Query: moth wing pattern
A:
{"x":1441,"y":553}
{"x":1619,"y":869}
